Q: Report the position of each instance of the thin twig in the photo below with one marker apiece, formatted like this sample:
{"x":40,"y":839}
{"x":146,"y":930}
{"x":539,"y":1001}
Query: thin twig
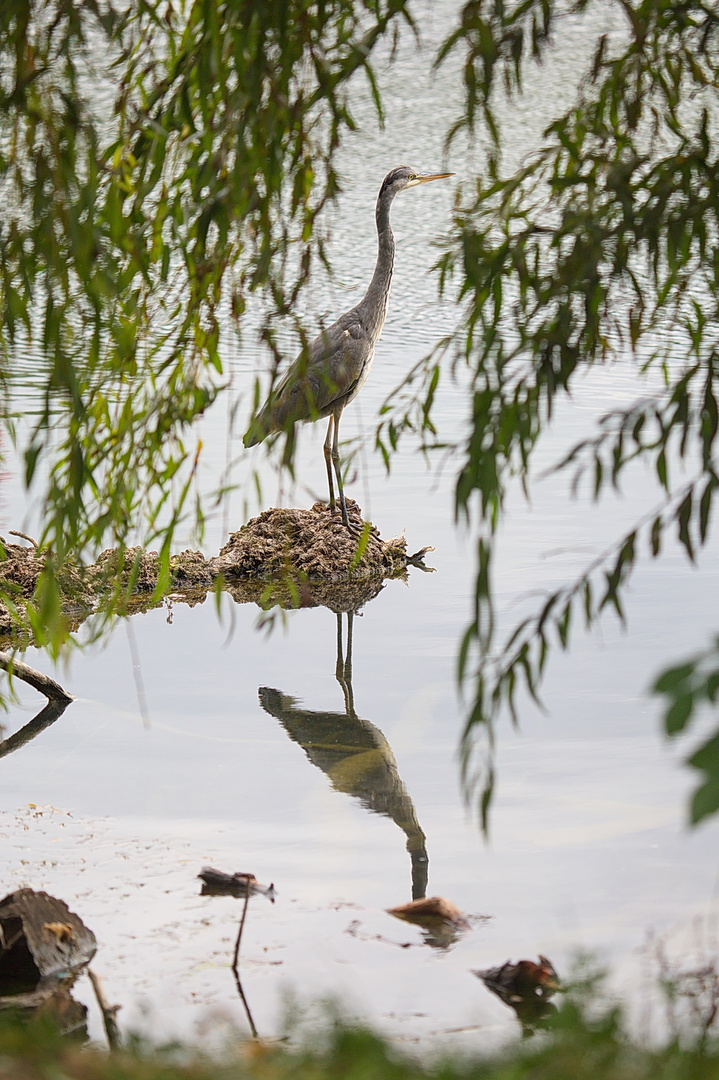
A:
{"x":236,"y":957}
{"x":109,"y":1012}
{"x":235,"y":969}
{"x":24,"y":536}
{"x":241,"y":992}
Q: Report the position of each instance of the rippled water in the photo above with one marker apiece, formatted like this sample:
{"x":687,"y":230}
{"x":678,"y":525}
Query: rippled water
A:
{"x":238,"y":763}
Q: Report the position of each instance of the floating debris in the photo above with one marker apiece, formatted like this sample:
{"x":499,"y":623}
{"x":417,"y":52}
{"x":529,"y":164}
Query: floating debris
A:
{"x":217,"y":883}
{"x":430,"y":909}
{"x":440,"y":919}
{"x":526,"y":987}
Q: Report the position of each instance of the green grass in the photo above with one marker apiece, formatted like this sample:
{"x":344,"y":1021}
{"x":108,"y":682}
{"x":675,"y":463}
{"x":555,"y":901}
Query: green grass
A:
{"x":574,"y":1048}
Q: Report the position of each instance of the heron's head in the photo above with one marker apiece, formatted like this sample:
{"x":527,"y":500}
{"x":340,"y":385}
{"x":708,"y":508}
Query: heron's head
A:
{"x":403,"y":177}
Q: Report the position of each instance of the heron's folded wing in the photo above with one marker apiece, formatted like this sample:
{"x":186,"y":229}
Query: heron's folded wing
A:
{"x":321,"y":377}
{"x":324,"y":375}
{"x":352,"y":353}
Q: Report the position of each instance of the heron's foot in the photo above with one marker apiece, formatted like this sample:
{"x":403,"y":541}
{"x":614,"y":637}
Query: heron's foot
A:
{"x":356,"y":528}
{"x":364,"y":528}
{"x":353,"y":529}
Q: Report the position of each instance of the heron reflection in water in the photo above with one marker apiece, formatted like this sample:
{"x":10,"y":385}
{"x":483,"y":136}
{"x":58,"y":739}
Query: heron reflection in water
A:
{"x":331,"y":371}
{"x":355,"y":755}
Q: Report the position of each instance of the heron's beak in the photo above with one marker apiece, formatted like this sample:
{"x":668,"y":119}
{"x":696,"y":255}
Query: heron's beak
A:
{"x":434,"y":176}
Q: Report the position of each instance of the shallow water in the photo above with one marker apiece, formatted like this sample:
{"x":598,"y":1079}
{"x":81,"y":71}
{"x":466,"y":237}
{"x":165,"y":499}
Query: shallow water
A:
{"x":116,"y":811}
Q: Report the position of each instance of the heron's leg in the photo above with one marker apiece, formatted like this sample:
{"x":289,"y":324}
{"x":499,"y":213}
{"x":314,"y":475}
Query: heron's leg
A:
{"x":327,"y":450}
{"x":348,"y":659}
{"x":343,"y":670}
{"x":340,"y":665}
{"x":354,"y":529}
{"x":338,"y":472}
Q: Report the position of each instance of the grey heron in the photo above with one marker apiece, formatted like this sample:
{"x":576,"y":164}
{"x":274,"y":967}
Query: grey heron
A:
{"x":331,"y":371}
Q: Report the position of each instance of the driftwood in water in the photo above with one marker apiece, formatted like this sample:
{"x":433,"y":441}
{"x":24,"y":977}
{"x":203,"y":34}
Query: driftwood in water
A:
{"x":43,"y":683}
{"x":41,"y":942}
{"x":218,"y":883}
{"x":43,"y":948}
{"x":57,"y":701}
{"x":109,"y":1012}
{"x":68,"y":1016}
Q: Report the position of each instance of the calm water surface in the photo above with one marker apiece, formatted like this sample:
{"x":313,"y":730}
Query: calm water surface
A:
{"x":588,"y":847}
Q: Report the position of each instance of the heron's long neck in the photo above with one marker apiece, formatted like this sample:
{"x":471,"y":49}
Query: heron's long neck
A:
{"x":373,"y":308}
